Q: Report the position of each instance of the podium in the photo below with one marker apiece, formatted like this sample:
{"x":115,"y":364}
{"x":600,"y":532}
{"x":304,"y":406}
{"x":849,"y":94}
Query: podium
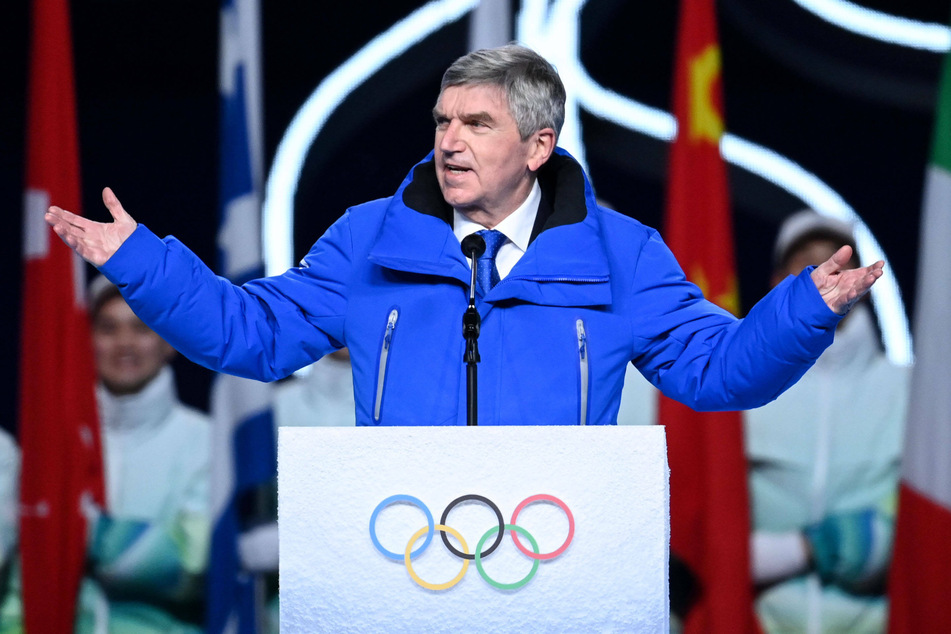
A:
{"x":473,"y":529}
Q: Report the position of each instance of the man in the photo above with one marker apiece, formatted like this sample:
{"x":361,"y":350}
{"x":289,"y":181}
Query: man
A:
{"x":583,"y":290}
{"x":148,"y":547}
{"x":824,"y":467}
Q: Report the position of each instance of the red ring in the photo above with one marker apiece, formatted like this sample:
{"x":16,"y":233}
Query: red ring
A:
{"x":571,"y":526}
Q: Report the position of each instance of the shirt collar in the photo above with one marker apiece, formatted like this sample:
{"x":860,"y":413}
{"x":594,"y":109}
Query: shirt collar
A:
{"x":517,"y":226}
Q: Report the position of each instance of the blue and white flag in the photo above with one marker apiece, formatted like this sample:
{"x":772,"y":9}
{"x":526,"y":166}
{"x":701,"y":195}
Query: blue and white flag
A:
{"x":244,"y":449}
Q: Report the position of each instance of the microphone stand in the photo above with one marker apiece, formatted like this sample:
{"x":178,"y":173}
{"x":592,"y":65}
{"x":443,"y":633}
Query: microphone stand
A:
{"x":473,"y":246}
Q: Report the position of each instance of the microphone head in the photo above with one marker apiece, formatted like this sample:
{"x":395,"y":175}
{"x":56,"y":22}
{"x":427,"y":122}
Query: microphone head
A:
{"x":473,"y":246}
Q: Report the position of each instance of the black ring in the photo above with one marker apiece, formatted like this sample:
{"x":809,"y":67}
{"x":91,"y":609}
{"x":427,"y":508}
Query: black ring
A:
{"x":498,"y":513}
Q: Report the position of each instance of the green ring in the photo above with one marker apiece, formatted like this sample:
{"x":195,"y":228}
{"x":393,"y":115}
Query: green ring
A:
{"x":478,"y":558}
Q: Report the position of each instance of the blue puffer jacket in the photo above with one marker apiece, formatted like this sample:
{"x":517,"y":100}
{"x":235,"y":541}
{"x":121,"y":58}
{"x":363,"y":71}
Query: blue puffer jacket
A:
{"x":594,"y":291}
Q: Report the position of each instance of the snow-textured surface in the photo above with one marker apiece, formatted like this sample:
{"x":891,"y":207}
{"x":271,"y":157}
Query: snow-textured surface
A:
{"x":612,"y":576}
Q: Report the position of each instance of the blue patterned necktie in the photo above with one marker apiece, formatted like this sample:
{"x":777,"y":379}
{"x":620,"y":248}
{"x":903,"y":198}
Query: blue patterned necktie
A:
{"x":488,"y":273}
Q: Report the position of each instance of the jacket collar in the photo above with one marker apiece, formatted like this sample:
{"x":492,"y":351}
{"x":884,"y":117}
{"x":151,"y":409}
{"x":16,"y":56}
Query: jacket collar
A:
{"x":565,"y":264}
{"x":139,"y":413}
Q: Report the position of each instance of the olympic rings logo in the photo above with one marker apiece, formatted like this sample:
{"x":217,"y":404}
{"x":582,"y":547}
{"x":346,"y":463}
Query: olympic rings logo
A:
{"x":497,"y":531}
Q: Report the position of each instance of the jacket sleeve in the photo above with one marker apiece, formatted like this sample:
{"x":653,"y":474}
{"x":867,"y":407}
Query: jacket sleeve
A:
{"x":263,"y":330}
{"x":704,"y":357}
{"x":163,"y":561}
{"x":160,"y":558}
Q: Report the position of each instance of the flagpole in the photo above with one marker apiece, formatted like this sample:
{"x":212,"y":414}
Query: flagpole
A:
{"x":244,"y":458}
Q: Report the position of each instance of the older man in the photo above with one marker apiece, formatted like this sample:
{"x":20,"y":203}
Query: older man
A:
{"x":576,"y":293}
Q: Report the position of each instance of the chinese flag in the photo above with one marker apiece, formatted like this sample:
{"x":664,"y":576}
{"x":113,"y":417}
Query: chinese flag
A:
{"x":709,"y":511}
{"x":58,"y":424}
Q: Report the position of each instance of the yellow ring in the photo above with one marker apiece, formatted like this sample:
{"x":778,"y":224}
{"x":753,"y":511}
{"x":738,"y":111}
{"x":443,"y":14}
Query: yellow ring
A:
{"x":426,"y":584}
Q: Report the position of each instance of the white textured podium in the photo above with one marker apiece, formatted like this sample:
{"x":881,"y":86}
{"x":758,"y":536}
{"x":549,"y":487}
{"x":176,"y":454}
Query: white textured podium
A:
{"x":611,"y":577}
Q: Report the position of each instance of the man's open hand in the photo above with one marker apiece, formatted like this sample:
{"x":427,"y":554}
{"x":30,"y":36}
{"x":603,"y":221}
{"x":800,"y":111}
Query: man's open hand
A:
{"x":95,"y":242}
{"x":841,"y":288}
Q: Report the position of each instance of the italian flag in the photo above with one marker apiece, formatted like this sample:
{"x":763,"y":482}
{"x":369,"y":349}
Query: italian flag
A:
{"x":58,"y":424}
{"x":920,"y":584}
{"x":709,"y":508}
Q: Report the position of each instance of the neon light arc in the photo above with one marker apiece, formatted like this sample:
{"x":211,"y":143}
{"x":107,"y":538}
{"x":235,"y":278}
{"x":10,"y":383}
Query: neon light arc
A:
{"x":877,"y":25}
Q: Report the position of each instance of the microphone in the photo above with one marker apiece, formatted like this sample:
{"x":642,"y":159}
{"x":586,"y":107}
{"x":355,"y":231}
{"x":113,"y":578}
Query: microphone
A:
{"x":473,"y":246}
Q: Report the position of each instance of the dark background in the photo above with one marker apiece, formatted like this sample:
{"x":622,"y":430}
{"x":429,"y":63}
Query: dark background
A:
{"x":856,"y":112}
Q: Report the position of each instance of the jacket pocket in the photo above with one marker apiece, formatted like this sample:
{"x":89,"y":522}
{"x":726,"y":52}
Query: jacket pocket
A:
{"x":385,"y":346}
{"x":583,"y":373}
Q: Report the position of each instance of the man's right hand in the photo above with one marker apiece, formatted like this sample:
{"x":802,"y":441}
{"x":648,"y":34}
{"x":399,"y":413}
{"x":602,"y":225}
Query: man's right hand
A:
{"x":95,"y":242}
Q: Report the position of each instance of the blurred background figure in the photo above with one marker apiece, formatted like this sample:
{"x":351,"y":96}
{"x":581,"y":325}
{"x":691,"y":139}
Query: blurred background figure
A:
{"x":147,"y":550}
{"x":323,"y":398}
{"x":824,"y":467}
{"x":9,"y":487}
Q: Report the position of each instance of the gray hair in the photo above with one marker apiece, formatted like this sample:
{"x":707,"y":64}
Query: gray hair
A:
{"x":532,"y":87}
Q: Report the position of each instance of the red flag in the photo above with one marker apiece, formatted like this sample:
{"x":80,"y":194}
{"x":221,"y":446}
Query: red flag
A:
{"x":58,"y":425}
{"x":709,"y":510}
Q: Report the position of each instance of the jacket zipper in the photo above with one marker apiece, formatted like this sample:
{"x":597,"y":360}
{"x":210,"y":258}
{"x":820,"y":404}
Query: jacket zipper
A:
{"x":384,"y":354}
{"x":556,"y":278}
{"x":583,"y":367}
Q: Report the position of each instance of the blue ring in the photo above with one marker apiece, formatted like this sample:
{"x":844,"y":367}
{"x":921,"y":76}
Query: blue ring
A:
{"x":402,"y":498}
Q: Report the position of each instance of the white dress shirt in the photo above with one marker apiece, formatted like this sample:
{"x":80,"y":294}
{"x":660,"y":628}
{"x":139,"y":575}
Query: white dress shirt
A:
{"x":517,"y":227}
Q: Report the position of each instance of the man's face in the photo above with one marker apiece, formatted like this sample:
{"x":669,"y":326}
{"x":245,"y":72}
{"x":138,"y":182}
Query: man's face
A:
{"x":484,"y":168}
{"x":128,"y":354}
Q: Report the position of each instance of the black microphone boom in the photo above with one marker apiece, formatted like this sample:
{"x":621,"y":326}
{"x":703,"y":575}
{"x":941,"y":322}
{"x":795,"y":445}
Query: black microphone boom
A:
{"x":473,"y":246}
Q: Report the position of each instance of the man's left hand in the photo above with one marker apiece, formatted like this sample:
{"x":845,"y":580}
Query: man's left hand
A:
{"x":842,"y":288}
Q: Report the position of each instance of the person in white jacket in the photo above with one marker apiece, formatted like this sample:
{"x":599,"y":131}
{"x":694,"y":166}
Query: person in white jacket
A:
{"x":824,"y":468}
{"x":148,"y":548}
{"x":323,"y":397}
{"x":9,"y":488}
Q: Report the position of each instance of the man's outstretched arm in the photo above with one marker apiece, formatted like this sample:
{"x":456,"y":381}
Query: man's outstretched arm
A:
{"x":95,"y":242}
